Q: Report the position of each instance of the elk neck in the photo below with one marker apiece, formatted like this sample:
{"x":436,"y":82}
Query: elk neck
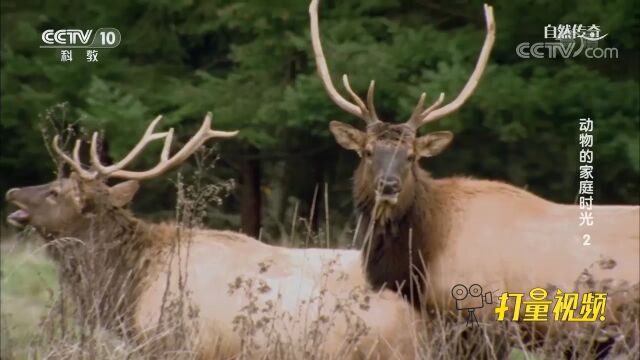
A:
{"x":407,"y":238}
{"x":104,"y":260}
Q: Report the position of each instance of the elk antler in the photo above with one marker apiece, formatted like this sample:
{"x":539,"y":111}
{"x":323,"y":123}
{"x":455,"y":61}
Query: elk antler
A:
{"x":166,"y":162}
{"x":366,"y":112}
{"x":420,"y":117}
{"x":75,"y":163}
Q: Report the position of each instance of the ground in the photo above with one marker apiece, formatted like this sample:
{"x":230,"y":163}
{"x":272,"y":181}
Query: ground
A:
{"x":30,"y":286}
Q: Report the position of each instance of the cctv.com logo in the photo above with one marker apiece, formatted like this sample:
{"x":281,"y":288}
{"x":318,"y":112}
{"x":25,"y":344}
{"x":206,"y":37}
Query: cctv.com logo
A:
{"x":470,"y":300}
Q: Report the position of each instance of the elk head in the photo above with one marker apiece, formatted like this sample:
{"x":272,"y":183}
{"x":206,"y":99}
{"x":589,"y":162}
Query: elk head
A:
{"x":389,"y":152}
{"x":65,"y":206}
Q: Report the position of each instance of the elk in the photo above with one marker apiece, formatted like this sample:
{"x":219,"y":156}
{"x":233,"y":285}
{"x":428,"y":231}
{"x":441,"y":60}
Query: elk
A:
{"x":126,"y":270}
{"x":425,"y":235}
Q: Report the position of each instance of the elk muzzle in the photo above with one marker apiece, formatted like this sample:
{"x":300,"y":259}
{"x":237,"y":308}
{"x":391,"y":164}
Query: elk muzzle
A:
{"x":19,"y":218}
{"x":387,"y":189}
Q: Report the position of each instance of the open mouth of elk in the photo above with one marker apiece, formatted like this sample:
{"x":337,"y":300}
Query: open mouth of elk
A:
{"x":386,"y":198}
{"x":19,"y":218}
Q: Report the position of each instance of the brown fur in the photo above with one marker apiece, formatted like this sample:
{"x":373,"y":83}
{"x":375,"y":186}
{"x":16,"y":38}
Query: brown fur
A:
{"x":416,"y":216}
{"x":104,"y":253}
{"x":125,"y":274}
{"x":463,"y":230}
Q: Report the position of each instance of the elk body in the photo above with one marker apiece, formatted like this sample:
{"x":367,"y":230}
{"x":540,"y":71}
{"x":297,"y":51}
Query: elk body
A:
{"x":236,"y":295}
{"x":423,"y":235}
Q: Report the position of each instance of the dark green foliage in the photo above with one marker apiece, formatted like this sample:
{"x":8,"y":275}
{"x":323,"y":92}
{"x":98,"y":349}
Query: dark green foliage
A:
{"x":250,"y":63}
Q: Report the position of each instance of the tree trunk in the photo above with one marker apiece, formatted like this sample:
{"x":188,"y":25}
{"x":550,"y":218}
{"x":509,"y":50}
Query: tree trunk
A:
{"x":250,"y":199}
{"x":317,"y":197}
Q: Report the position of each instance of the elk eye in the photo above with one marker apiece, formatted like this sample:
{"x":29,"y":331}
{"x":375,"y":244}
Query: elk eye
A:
{"x":368,"y":153}
{"x":53,"y":193}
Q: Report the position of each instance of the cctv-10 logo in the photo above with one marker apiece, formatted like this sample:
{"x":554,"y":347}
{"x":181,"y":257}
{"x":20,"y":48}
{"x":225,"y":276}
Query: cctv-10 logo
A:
{"x":75,"y":38}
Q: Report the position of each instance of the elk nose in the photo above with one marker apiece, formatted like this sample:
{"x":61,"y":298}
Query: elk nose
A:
{"x":9,"y":195}
{"x":389,"y":186}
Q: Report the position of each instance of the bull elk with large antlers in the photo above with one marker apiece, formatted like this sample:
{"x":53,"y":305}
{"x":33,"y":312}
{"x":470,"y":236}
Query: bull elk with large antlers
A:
{"x":126,"y":273}
{"x":427,"y":234}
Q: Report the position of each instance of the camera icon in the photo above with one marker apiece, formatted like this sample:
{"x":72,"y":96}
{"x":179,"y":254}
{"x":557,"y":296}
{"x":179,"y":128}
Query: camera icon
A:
{"x":470,"y":300}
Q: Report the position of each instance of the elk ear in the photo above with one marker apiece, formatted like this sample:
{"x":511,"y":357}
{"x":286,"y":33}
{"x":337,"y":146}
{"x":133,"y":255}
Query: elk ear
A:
{"x":121,"y":194}
{"x":347,"y":136}
{"x":432,"y":144}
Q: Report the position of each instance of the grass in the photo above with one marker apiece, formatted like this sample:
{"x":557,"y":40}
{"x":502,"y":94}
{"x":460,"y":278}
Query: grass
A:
{"x":30,"y":286}
{"x":29,"y":283}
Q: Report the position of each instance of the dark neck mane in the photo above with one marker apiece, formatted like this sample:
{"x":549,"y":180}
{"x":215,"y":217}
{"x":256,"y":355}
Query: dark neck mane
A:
{"x":103,"y":263}
{"x":407,"y":240}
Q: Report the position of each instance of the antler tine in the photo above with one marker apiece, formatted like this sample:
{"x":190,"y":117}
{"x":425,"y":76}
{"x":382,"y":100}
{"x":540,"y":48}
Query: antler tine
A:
{"x":415,"y":115}
{"x":75,"y":162}
{"x":372,"y":108}
{"x":148,"y":137}
{"x":368,"y":111}
{"x":418,"y":113}
{"x":358,"y":109}
{"x":355,"y":97}
{"x":432,"y":113}
{"x":433,"y":106}
{"x":76,"y":152}
{"x":166,"y":148}
{"x":166,"y":162}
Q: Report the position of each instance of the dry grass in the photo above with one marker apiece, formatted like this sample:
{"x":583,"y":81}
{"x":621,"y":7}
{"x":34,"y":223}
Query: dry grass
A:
{"x":36,"y":326}
{"x":42,"y":319}
{"x":441,"y":337}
